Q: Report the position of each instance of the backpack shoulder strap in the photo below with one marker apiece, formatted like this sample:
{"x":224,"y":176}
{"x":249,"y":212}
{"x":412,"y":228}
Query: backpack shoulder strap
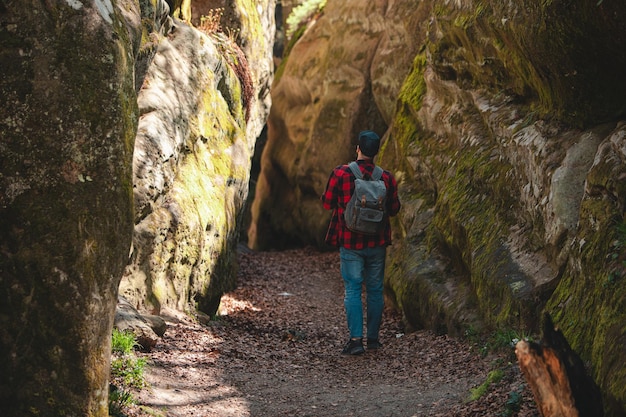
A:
{"x":354,"y":167}
{"x":377,"y":173}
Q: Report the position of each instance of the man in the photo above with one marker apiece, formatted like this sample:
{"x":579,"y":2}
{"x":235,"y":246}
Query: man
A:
{"x":362,"y":256}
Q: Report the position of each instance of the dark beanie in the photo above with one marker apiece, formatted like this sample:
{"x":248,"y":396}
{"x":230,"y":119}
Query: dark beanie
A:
{"x":369,"y":142}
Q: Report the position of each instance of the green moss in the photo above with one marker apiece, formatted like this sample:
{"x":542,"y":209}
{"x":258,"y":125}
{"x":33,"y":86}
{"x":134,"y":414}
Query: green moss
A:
{"x":589,"y":303}
{"x":292,"y":42}
{"x":302,"y":14}
{"x":546,"y":55}
{"x":251,"y":21}
{"x":473,"y":208}
{"x":201,"y":272}
{"x":492,"y":378}
{"x":465,"y":21}
{"x":414,"y":86}
{"x":406,"y":127}
{"x":466,"y":197}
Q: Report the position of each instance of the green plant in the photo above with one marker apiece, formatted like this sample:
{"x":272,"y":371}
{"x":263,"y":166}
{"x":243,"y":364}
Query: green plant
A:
{"x":301,"y":15}
{"x":472,"y":335}
{"x":123,"y":342}
{"x":211,"y":23}
{"x":504,"y":339}
{"x":509,"y":337}
{"x":118,"y":401}
{"x":127,"y":371}
{"x":513,"y":404}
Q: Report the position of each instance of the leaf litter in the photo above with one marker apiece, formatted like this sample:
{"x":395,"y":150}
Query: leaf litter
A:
{"x":274,"y":350}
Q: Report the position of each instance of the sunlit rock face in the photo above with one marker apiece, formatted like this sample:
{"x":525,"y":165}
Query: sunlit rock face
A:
{"x":68,"y":123}
{"x":190,"y":168}
{"x":503,"y":122}
{"x":201,"y":111}
{"x":252,"y":26}
{"x":343,"y":76}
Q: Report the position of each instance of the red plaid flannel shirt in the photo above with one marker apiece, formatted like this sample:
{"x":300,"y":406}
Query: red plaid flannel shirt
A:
{"x":338,"y":192}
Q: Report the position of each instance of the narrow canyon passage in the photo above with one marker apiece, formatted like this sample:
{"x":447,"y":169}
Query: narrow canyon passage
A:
{"x":274,"y":350}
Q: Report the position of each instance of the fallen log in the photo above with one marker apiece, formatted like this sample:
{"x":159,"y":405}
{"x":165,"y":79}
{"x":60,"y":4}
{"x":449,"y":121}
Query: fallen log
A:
{"x":557,"y":376}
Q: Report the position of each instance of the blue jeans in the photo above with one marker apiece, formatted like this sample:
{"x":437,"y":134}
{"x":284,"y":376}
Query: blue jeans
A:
{"x":358,"y":266}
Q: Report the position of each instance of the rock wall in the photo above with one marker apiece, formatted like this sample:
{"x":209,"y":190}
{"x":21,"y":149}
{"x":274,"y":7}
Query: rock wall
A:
{"x":68,"y":119}
{"x":202,"y":106}
{"x":116,"y":116}
{"x":503,"y":122}
{"x":321,"y":101}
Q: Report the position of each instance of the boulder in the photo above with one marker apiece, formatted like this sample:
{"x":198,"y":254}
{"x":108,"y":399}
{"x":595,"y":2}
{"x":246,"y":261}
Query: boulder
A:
{"x":146,"y":328}
{"x":68,"y":119}
{"x":202,"y":105}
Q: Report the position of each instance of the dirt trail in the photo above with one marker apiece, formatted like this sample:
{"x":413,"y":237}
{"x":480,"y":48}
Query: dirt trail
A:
{"x":275,"y":351}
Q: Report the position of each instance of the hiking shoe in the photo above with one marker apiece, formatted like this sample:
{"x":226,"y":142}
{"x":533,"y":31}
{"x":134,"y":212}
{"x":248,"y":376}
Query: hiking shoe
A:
{"x":353,"y":347}
{"x":373,"y":344}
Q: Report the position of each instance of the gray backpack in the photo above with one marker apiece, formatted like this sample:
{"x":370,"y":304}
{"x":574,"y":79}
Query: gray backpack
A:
{"x":367,"y":206}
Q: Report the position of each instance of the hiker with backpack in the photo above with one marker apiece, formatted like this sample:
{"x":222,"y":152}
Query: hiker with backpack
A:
{"x":362,"y":196}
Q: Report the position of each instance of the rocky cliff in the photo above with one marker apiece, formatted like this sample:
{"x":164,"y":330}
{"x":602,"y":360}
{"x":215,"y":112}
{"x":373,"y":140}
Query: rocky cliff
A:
{"x":68,"y":120}
{"x":126,"y":144}
{"x":504,"y":124}
{"x":202,"y":106}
